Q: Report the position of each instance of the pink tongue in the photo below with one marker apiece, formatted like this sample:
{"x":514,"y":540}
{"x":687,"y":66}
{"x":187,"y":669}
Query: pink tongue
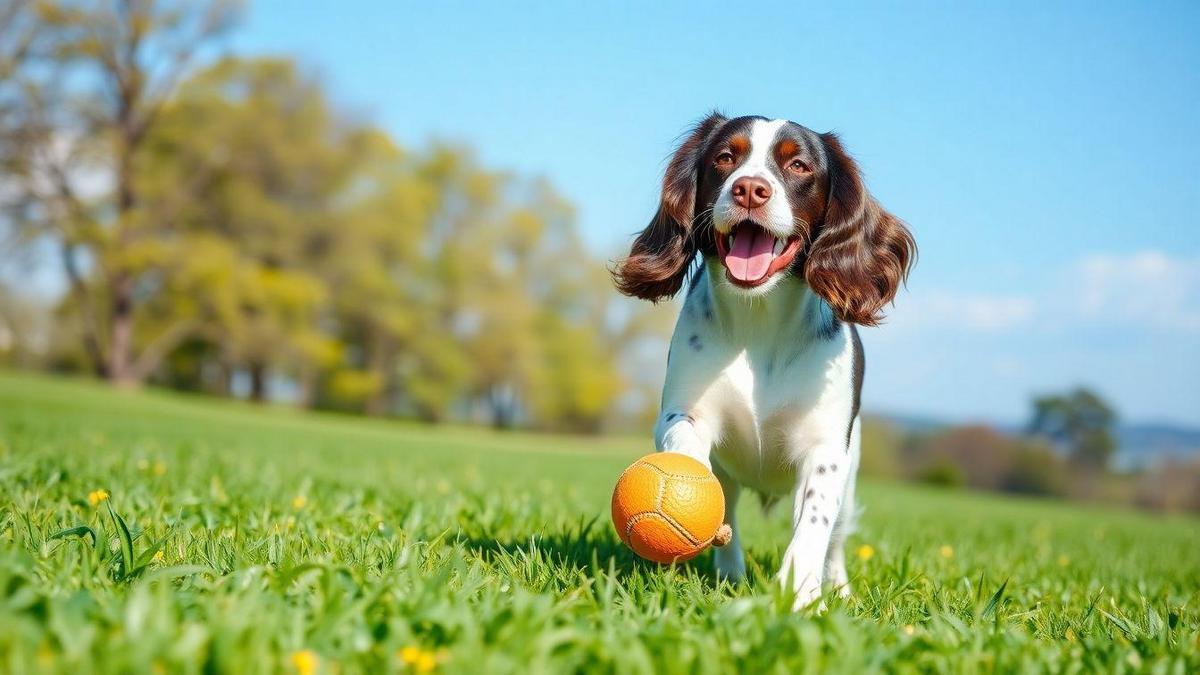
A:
{"x":751,"y":253}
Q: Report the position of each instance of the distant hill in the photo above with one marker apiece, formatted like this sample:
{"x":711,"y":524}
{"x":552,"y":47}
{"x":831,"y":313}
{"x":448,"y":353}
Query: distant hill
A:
{"x":1138,"y":444}
{"x":1142,"y":444}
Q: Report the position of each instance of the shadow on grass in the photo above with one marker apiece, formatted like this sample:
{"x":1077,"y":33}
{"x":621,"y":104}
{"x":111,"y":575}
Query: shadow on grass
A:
{"x":590,"y":546}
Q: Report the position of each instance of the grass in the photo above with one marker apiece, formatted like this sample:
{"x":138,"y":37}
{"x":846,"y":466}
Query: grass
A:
{"x":265,"y":540}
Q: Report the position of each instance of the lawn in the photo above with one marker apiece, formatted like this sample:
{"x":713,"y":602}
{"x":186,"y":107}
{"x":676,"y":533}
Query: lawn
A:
{"x":267,"y":540}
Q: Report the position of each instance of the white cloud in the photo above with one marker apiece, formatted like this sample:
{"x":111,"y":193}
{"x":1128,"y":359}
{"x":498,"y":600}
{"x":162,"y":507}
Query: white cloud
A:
{"x":975,"y":312}
{"x":1148,"y":286}
{"x":1147,"y":289}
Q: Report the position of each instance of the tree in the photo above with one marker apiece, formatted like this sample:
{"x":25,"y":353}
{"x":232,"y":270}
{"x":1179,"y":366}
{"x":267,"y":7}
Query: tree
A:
{"x":228,"y":223}
{"x":89,"y":98}
{"x":1080,"y":422}
{"x":980,"y":455}
{"x":259,"y":142}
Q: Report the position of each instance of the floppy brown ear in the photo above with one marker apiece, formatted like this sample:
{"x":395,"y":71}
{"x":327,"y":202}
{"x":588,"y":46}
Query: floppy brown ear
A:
{"x":862,"y":254}
{"x":658,"y":261}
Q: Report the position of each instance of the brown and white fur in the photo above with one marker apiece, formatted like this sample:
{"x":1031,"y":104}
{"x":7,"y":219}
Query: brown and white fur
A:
{"x":765,"y":371}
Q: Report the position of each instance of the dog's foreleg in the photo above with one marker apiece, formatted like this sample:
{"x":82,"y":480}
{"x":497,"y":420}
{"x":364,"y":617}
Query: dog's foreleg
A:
{"x":820,"y":488}
{"x":835,"y":559}
{"x":678,"y":431}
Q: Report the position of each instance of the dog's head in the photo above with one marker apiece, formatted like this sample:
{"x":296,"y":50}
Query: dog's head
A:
{"x":770,"y":198}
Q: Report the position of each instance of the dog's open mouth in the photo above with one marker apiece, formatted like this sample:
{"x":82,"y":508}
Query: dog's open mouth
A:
{"x":751,"y":254}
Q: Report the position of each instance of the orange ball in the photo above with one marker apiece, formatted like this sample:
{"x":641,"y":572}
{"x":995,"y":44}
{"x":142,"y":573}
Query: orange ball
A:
{"x":668,"y":507}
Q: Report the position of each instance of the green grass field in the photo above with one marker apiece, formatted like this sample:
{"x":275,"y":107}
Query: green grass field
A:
{"x":275,"y":541}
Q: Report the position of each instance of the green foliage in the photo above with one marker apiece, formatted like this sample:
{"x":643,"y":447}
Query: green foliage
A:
{"x":881,"y":449}
{"x":352,"y":545}
{"x":942,"y":472}
{"x":1081,"y":421}
{"x":249,"y":229}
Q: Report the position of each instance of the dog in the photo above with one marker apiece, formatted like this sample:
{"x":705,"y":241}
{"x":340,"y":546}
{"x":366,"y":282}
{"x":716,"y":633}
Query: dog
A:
{"x":765,"y":367}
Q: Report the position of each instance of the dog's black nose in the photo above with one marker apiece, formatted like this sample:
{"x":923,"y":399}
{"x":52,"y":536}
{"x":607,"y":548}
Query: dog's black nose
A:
{"x":751,"y":192}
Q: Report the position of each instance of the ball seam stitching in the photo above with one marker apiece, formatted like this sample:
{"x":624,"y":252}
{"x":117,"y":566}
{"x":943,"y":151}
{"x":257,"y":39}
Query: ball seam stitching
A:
{"x":639,"y":517}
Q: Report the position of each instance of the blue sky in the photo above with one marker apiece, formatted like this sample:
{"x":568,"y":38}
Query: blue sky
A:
{"x":1046,"y":157}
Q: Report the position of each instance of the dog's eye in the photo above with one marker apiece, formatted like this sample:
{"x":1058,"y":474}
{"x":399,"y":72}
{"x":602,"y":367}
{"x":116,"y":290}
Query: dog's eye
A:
{"x":797,"y":166}
{"x":725,"y":158}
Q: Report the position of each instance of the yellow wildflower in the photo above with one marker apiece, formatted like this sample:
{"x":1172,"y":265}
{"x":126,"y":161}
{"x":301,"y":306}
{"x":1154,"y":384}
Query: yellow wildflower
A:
{"x":946,"y":551}
{"x":97,"y":496}
{"x":305,"y":661}
{"x":159,"y":468}
{"x":409,"y":654}
{"x":866,"y":552}
{"x":299,"y":501}
{"x":909,"y":629}
{"x":426,"y":662}
{"x":1070,"y":635}
{"x":158,"y":556}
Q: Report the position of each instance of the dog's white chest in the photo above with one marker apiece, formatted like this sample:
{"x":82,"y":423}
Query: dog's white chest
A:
{"x":761,"y":384}
{"x":773,"y":405}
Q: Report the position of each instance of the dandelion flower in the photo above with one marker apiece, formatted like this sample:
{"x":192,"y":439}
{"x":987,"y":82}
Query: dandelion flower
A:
{"x":158,"y":556}
{"x":866,"y":552}
{"x":409,"y":655}
{"x":426,"y":662}
{"x":946,"y":551}
{"x":299,"y":501}
{"x":305,"y":661}
{"x":97,"y":496}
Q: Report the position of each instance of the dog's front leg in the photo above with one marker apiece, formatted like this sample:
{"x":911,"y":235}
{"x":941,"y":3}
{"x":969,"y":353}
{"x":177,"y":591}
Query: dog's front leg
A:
{"x":820,"y":486}
{"x":680,"y":431}
{"x":687,"y":434}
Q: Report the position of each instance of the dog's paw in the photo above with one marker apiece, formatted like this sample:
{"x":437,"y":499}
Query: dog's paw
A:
{"x":805,"y":588}
{"x":807,"y":593}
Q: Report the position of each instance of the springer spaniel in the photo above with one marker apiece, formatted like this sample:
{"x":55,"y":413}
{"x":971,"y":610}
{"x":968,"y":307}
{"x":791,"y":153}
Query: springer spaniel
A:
{"x":765,"y":368}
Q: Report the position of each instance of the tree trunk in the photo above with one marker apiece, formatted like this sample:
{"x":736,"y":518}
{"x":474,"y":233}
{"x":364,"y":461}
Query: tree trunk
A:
{"x":120,"y":357}
{"x":91,"y":337}
{"x":225,"y":378}
{"x":120,"y":347}
{"x":258,"y":382}
{"x":379,"y":361}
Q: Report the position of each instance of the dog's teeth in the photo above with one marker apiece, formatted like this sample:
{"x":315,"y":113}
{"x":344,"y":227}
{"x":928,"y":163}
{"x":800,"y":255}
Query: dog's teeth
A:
{"x":778,"y":246}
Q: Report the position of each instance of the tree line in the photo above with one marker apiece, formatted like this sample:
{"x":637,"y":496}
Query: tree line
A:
{"x":1064,"y":451}
{"x":221,"y":224}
